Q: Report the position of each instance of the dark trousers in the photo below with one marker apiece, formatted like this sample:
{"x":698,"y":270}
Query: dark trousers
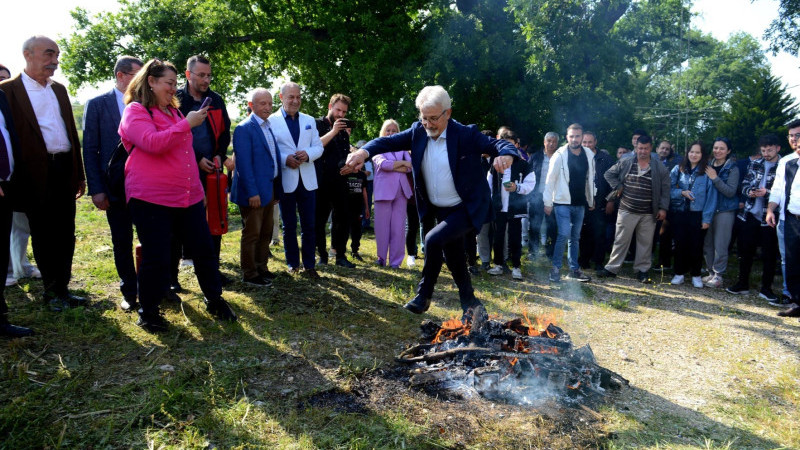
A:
{"x":446,"y":240}
{"x":354,"y":208}
{"x":514,"y":225}
{"x":593,"y":238}
{"x":121,"y":226}
{"x":536,"y":216}
{"x":257,"y":224}
{"x":687,"y":229}
{"x":751,"y":233}
{"x":471,"y":247}
{"x":53,"y":226}
{"x":300,"y":202}
{"x":157,"y":226}
{"x":365,"y":223}
{"x":332,"y":198}
{"x":791,"y":236}
{"x":412,"y":216}
{"x":664,"y":238}
{"x":6,"y":214}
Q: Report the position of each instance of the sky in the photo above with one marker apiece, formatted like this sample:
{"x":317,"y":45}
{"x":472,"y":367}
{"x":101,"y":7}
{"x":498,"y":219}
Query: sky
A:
{"x":721,"y":18}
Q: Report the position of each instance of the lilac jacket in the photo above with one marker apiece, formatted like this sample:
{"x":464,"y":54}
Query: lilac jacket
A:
{"x":387,"y":182}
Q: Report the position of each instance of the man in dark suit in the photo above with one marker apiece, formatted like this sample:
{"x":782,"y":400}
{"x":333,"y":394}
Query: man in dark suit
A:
{"x":256,"y":153}
{"x":48,"y":176}
{"x":446,"y":164}
{"x":100,"y":123}
{"x":9,"y":152}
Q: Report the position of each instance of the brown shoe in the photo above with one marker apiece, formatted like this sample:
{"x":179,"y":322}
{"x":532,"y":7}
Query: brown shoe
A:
{"x":793,"y":311}
{"x":311,"y":274}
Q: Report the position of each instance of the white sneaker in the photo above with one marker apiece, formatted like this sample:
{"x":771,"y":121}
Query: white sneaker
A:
{"x":496,"y":270}
{"x":411,"y":261}
{"x":516,"y":273}
{"x":187,"y":263}
{"x":697,"y":282}
{"x":677,"y":279}
{"x":708,"y":277}
{"x":10,"y":280}
{"x":714,"y":282}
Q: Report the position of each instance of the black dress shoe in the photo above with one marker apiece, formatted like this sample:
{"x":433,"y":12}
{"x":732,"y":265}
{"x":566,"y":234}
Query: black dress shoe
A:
{"x":643,"y":277}
{"x":267,"y":275}
{"x":13,"y":331}
{"x":129,"y":304}
{"x":154,"y":323}
{"x":220,"y":309}
{"x":357,"y":256}
{"x":605,"y":273}
{"x":418,"y":304}
{"x":311,"y":274}
{"x":793,"y":311}
{"x":75,"y":300}
{"x":343,"y":262}
{"x":63,"y":302}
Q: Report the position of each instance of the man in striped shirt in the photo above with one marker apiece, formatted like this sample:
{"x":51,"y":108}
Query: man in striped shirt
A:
{"x":642,"y":183}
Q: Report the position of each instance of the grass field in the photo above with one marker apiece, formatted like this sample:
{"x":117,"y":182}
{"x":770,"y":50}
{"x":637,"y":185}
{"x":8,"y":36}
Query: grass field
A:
{"x":311,"y":365}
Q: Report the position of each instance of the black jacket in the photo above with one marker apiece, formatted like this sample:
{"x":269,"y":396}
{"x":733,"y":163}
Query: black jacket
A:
{"x":217,"y":121}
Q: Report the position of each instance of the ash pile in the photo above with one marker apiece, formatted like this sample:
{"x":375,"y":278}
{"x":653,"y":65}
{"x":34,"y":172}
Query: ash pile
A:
{"x":517,"y":361}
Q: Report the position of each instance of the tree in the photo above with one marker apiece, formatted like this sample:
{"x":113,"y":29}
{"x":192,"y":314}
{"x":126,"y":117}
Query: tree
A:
{"x":761,"y":105}
{"x":784,"y":32}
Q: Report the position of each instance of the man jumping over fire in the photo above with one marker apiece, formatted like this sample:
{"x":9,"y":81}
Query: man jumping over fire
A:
{"x":446,"y":164}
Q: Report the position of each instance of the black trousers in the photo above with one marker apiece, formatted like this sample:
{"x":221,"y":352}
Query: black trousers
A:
{"x":664,"y":238}
{"x":6,"y":214}
{"x":355,"y":208}
{"x":412,"y":216}
{"x":446,"y":241}
{"x":332,"y":198}
{"x":593,"y":238}
{"x":157,"y":226}
{"x":687,"y":229}
{"x":53,"y":226}
{"x":791,"y":236}
{"x":514,"y":224}
{"x":121,"y":226}
{"x":751,"y":234}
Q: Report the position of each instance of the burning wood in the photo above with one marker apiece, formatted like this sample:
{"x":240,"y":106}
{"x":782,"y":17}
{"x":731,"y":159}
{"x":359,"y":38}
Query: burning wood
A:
{"x":518,"y":361}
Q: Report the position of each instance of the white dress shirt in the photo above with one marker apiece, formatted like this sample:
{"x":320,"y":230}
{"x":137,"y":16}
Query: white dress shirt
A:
{"x":436,"y":172}
{"x":120,"y":100}
{"x":265,"y":128}
{"x":7,"y":137}
{"x":48,"y":114}
{"x":778,"y":192}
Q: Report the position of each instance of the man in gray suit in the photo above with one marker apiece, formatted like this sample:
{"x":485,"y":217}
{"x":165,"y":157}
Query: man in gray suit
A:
{"x":100,"y":137}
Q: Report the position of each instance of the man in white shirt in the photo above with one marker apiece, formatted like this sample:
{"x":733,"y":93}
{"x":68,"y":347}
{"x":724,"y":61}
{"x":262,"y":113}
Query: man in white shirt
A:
{"x":48,"y":177}
{"x":786,"y":192}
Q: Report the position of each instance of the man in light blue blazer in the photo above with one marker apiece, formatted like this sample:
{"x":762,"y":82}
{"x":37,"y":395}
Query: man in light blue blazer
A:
{"x":299,"y":142}
{"x":100,"y":123}
{"x":256,"y":151}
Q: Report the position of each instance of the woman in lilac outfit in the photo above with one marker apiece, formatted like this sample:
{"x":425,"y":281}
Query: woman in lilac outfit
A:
{"x":391,"y":191}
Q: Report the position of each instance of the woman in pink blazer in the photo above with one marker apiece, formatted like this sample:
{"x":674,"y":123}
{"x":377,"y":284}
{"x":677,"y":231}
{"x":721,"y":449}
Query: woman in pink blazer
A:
{"x":391,"y":193}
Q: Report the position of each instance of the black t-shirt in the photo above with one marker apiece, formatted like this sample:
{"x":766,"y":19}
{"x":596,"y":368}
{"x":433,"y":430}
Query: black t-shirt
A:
{"x":333,"y":154}
{"x":578,"y":165}
{"x":356,"y":182}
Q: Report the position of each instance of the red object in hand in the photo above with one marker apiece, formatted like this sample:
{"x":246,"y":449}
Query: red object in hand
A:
{"x":217,"y":196}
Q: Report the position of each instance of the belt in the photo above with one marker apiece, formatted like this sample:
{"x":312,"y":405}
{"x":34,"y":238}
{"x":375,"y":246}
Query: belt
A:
{"x":58,"y":156}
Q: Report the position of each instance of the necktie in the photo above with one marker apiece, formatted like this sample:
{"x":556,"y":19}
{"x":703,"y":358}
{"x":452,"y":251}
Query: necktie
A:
{"x":5,"y":167}
{"x":277,"y":151}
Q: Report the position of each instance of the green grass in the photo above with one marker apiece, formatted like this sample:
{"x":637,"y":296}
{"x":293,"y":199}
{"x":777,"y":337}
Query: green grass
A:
{"x":91,"y":378}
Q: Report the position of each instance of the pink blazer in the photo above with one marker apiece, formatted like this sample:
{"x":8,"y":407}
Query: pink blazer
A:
{"x":388,"y":184}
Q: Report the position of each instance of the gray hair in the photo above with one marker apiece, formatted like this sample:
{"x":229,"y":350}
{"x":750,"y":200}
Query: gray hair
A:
{"x":551,"y":134}
{"x":125,"y":64}
{"x":28,"y":44}
{"x":433,"y":96}
{"x":287,"y":85}
{"x":252,"y":94}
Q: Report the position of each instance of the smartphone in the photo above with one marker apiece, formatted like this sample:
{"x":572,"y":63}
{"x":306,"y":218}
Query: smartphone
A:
{"x":349,"y":123}
{"x":206,"y":102}
{"x":691,"y":196}
{"x":507,"y":183}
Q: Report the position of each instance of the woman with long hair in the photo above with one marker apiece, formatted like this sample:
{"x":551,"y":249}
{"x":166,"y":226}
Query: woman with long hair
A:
{"x":163,"y":191}
{"x":693,"y":199}
{"x":391,"y":191}
{"x":724,"y":175}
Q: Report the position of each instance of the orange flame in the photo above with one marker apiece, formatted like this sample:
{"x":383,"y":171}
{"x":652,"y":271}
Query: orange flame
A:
{"x":451,"y":329}
{"x":542,"y":322}
{"x":514,"y":361}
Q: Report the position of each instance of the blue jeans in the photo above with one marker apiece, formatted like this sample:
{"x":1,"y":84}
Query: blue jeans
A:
{"x":569,"y":220}
{"x":782,"y":249}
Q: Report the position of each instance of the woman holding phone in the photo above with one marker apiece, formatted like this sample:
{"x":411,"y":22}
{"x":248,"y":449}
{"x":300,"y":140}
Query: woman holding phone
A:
{"x":724,"y":175}
{"x":163,"y":191}
{"x":692,"y":202}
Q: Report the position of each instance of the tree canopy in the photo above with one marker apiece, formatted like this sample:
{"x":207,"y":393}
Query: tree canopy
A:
{"x":535,"y":65}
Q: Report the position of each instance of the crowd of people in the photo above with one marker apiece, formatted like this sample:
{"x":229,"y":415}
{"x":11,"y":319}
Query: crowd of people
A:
{"x":478,"y":199}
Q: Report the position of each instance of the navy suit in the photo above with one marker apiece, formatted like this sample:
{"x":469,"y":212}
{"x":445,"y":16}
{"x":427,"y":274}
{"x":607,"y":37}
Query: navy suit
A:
{"x":465,"y":145}
{"x":100,"y":137}
{"x":6,"y":209}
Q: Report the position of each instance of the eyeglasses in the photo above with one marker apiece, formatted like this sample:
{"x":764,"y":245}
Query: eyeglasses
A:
{"x":203,"y":75}
{"x":424,"y":119}
{"x":795,"y":136}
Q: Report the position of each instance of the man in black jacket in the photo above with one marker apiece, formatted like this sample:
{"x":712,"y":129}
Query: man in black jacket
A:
{"x":539,"y":163}
{"x":593,"y":234}
{"x":209,"y":141}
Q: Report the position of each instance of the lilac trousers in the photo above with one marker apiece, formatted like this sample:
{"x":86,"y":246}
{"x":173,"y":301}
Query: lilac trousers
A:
{"x":390,"y":229}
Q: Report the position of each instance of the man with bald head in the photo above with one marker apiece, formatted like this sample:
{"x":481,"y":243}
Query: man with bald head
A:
{"x":48,"y":177}
{"x":257,"y":153}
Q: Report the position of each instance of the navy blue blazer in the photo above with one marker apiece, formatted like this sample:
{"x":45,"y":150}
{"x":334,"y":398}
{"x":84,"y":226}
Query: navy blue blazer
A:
{"x":254,"y":164}
{"x":5,"y":109}
{"x":100,"y":138}
{"x":465,"y":144}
